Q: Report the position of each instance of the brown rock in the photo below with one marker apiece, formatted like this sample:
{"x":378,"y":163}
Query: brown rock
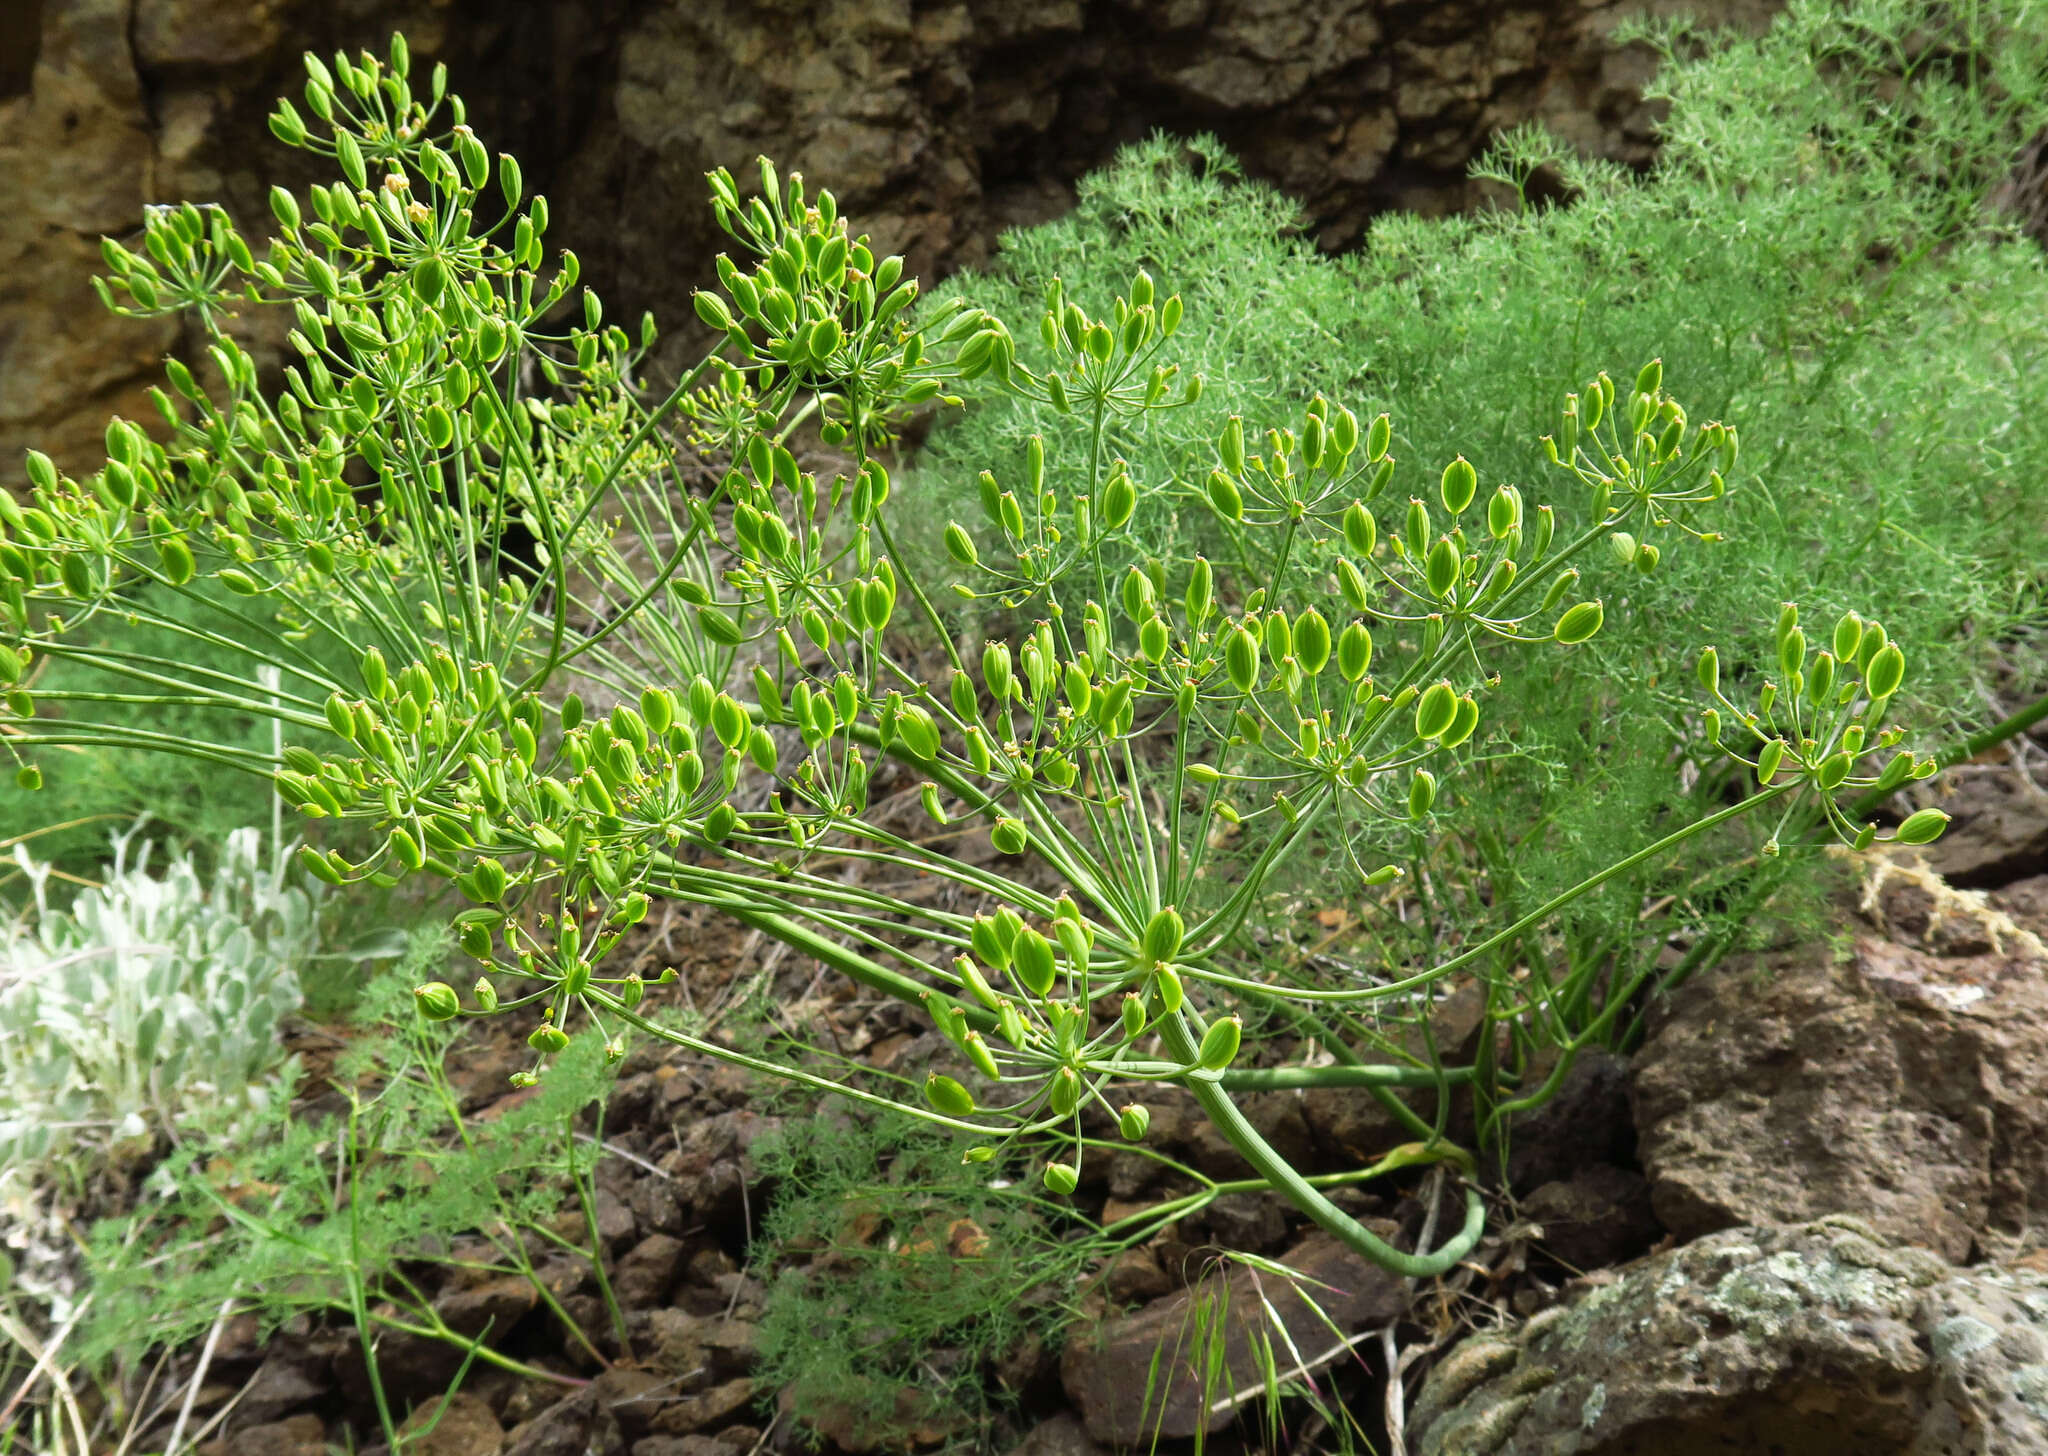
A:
{"x":1061,"y":1435}
{"x":463,"y":1425}
{"x":1598,"y":1217}
{"x":300,"y":1435}
{"x":696,"y":1412}
{"x":644,"y":1275}
{"x":1105,"y":1369}
{"x":1898,"y":1086}
{"x":577,"y":1425}
{"x":938,"y":126}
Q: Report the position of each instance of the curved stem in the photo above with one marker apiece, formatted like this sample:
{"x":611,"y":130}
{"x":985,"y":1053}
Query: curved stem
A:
{"x":1281,"y":1174}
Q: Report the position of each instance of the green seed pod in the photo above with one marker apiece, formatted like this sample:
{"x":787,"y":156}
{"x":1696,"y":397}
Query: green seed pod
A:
{"x":1646,"y":558}
{"x":1063,"y":1093}
{"x":1166,"y":990}
{"x":947,"y":1096}
{"x":1463,"y":725}
{"x":1579,"y":623}
{"x":1009,"y":836}
{"x":1311,"y":641}
{"x":1354,"y":652}
{"x":486,"y":994}
{"x":575,"y":978}
{"x":1792,"y":651}
{"x":997,"y":672}
{"x":1201,"y":591}
{"x":1710,"y":671}
{"x":1922,"y":827}
{"x":475,"y":939}
{"x":1154,"y":640}
{"x":1061,"y":1178}
{"x":1434,"y":710}
{"x":1164,"y":932}
{"x":1133,"y":1123}
{"x":437,"y":1001}
{"x":1650,"y":379}
{"x":1415,"y":529}
{"x":1848,"y":636}
{"x":1886,"y":671}
{"x":1119,"y":501}
{"x":1225,"y":498}
{"x":632,"y":991}
{"x":1361,"y":531}
{"x":1279,"y":636}
{"x":978,"y":1053}
{"x":1136,"y":595}
{"x":1351,"y":582}
{"x":960,"y":546}
{"x":1133,"y":1014}
{"x":1031,"y":961}
{"x":1220,"y":1043}
{"x":1503,"y":512}
{"x":376,"y":677}
{"x":1820,"y":682}
{"x":1459,"y":484}
{"x":548,"y":1040}
{"x":1241,"y":659}
{"x":1874,"y":641}
{"x":1767,"y":761}
{"x":1421,"y":793}
{"x":988,"y":942}
{"x":1833,"y":770}
{"x":1443,"y":567}
{"x":1378,"y":435}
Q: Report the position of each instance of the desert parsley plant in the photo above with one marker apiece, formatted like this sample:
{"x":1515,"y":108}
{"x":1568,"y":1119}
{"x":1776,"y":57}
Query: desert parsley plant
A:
{"x":1798,"y":263}
{"x":580,"y":686}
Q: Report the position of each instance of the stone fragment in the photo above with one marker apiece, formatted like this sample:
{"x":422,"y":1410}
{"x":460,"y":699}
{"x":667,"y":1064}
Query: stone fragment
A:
{"x":1822,"y":1338}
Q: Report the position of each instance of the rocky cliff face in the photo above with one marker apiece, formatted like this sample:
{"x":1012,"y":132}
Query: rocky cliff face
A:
{"x":937,"y":123}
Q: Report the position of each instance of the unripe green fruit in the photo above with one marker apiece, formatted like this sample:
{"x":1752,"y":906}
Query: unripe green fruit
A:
{"x":947,"y":1096}
{"x":486,"y":994}
{"x":437,"y":1001}
{"x":1133,"y":1122}
{"x":1922,"y":827}
{"x":1061,"y":1178}
{"x":548,"y":1039}
{"x":1579,"y":623}
{"x":1220,"y":1043}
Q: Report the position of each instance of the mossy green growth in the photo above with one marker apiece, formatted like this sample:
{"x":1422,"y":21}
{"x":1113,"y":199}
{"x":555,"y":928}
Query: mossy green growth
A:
{"x":899,"y":1278}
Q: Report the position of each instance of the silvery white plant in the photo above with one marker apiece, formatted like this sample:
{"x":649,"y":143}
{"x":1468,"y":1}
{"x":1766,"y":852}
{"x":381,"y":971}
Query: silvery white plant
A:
{"x":148,"y":997}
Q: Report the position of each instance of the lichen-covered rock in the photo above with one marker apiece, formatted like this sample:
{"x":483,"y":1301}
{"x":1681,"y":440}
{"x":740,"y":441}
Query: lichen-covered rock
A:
{"x":1889,"y":1082}
{"x":1824,"y":1339}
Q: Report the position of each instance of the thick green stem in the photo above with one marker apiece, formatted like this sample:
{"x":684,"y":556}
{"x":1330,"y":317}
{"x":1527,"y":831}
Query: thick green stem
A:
{"x":1281,"y":1174}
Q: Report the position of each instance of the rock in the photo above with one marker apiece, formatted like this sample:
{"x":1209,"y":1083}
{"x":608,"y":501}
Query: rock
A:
{"x":694,"y":1413}
{"x":634,"y":1397}
{"x":1891,"y":1084}
{"x":577,"y":1425}
{"x":496,"y":1304}
{"x":289,"y":1378}
{"x":679,"y":1446}
{"x":1818,"y":1338}
{"x":1597,"y":1217}
{"x":1105,"y":1369}
{"x":299,"y":1435}
{"x":937,"y":124}
{"x":1061,"y":1435}
{"x":463,"y":1425}
{"x":1586,"y":1124}
{"x":644,"y":1275}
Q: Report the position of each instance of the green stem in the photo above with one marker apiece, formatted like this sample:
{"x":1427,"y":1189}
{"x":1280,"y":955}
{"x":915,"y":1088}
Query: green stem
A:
{"x":1281,"y":1175}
